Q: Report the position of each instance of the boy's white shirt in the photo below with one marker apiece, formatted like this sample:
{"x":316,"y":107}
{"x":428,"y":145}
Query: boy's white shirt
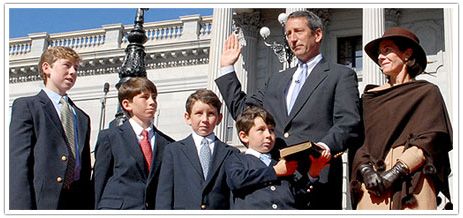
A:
{"x":138,"y":129}
{"x":254,"y":153}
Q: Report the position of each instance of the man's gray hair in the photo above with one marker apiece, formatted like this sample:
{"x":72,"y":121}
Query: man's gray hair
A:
{"x":313,"y":21}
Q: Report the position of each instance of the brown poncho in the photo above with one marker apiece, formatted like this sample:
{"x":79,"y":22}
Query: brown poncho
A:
{"x":410,"y":114}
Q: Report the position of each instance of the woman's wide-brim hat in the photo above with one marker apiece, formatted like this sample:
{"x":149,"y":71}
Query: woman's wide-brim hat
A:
{"x":413,"y":42}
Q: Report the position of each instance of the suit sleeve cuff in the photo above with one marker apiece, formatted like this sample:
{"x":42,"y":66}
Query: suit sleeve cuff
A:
{"x":324,"y":145}
{"x":226,"y":70}
{"x":313,"y":180}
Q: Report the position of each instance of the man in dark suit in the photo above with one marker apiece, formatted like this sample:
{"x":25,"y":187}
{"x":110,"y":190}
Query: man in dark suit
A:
{"x":123,"y":177}
{"x":192,"y":172}
{"x":324,"y":111}
{"x":49,"y":142}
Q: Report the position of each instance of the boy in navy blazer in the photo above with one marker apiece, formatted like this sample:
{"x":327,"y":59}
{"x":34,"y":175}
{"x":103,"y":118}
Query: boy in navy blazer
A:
{"x":192,"y":172}
{"x":50,"y":141}
{"x":128,"y":157}
{"x":257,"y":181}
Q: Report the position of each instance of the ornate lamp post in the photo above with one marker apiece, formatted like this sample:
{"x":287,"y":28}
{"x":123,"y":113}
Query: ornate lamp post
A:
{"x":134,"y":61}
{"x":282,"y":51}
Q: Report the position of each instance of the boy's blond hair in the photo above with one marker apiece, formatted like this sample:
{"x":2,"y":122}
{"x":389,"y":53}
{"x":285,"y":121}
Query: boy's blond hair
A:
{"x":52,"y":54}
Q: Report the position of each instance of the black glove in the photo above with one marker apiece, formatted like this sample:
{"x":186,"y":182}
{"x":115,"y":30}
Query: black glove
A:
{"x":390,"y":176}
{"x":371,"y":179}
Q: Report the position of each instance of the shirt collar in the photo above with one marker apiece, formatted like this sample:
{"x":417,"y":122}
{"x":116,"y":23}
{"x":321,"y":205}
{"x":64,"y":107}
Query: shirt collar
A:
{"x":312,"y":62}
{"x":55,"y":97}
{"x":255,"y":153}
{"x":138,"y":129}
{"x":197,"y":138}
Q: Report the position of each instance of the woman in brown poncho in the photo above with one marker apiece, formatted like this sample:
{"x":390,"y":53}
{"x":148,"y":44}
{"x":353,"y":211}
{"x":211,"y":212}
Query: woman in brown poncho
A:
{"x":404,"y":161}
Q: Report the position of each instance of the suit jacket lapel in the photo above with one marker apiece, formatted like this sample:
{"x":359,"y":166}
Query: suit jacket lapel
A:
{"x":190,"y":151}
{"x":159,"y":144}
{"x":128,"y":138}
{"x":315,"y":78}
{"x":50,"y":112}
{"x":217,"y":158}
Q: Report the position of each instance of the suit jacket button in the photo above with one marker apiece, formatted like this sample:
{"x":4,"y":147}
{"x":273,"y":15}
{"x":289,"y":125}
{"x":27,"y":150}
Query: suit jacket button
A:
{"x":59,"y":179}
{"x":64,"y":158}
{"x":273,"y":188}
{"x":203,"y":207}
{"x":286,"y":135}
{"x":274,"y":206}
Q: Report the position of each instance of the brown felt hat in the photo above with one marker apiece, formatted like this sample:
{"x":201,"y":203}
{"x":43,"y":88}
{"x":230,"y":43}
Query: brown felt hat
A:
{"x":413,"y":42}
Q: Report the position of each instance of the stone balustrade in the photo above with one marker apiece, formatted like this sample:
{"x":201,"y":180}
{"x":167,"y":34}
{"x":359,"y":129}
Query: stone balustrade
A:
{"x":102,"y":49}
{"x":187,"y":27}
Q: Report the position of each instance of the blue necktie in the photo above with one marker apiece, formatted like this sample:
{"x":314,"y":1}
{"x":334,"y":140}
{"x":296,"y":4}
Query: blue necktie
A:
{"x":205,"y":156}
{"x":297,"y":86}
{"x":265,"y":158}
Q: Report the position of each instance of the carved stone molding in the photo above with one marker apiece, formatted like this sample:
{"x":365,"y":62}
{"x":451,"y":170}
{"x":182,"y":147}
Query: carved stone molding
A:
{"x":392,"y":16}
{"x":111,"y":65}
{"x":250,"y":23}
{"x":323,"y":14}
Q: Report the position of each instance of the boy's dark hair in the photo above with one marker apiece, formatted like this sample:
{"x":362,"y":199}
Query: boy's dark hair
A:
{"x":54,"y":53}
{"x":245,"y":121}
{"x":205,"y":96}
{"x":135,"y":86}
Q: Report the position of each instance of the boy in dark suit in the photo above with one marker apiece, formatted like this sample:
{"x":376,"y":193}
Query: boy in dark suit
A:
{"x":128,"y":157}
{"x":257,"y":181}
{"x":50,"y":141}
{"x":192,"y":173}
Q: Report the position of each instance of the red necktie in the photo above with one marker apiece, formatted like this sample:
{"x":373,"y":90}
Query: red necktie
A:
{"x":146,"y":148}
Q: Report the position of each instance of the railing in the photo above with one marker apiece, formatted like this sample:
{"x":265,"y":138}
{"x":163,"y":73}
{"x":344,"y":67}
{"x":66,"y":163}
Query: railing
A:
{"x":20,"y":46}
{"x":110,"y":36}
{"x":78,"y":40}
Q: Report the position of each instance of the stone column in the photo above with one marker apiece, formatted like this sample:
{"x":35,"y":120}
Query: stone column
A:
{"x":449,"y":56}
{"x":249,"y":24}
{"x":39,"y":43}
{"x":221,"y":29}
{"x":373,"y":27}
{"x":449,"y":59}
{"x":113,"y":35}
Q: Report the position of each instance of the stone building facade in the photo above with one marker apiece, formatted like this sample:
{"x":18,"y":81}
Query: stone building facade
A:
{"x":183,"y":55}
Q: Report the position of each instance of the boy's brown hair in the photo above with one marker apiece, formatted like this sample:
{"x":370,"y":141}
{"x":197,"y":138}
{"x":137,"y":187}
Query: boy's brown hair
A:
{"x":135,"y":86}
{"x":245,"y":121}
{"x":54,"y":53}
{"x":206,"y":96}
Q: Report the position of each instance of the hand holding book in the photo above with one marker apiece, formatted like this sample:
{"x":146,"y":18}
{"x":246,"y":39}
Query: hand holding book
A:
{"x":302,"y":150}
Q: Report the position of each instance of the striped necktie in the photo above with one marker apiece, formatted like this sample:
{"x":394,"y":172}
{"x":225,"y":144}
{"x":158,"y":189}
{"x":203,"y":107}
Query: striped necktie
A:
{"x":67,"y":120}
